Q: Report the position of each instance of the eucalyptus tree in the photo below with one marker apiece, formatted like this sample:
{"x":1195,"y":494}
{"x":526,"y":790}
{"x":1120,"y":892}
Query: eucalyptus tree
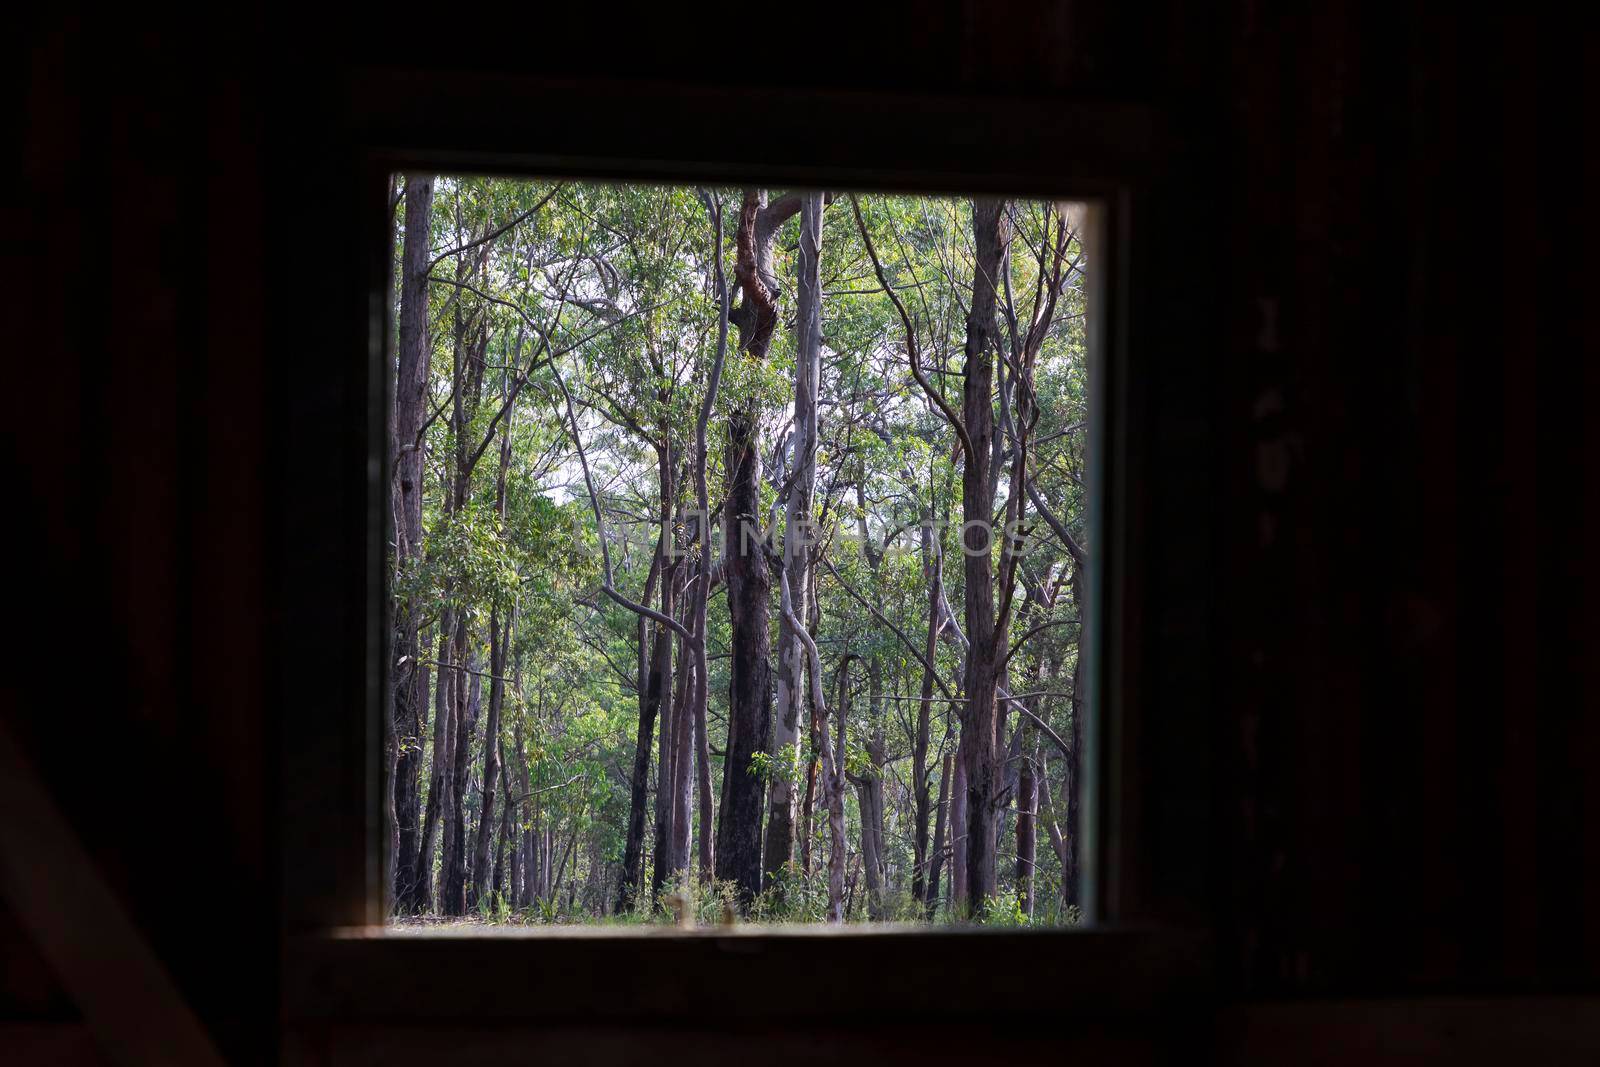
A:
{"x":408,"y":691}
{"x":747,"y":573}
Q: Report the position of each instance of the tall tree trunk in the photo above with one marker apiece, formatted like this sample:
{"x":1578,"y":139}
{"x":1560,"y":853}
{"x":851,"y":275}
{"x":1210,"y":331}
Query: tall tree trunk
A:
{"x":979,"y":743}
{"x":647,"y":681}
{"x":682,"y":792}
{"x":833,"y":772}
{"x":738,"y":849}
{"x":409,"y":689}
{"x":807,"y":810}
{"x":919,"y":750}
{"x":797,"y":539}
{"x":1027,"y":821}
{"x":1071,"y":871}
{"x":930,"y":899}
{"x":453,"y":888}
{"x":466,"y":380}
{"x":421,"y":900}
{"x":503,"y":841}
{"x":701,"y":589}
{"x":869,"y":788}
{"x":671,"y":584}
{"x":959,"y":829}
{"x":498,"y":639}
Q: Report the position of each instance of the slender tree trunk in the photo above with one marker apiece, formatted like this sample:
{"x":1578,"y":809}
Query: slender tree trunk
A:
{"x":503,"y":840}
{"x":443,"y":760}
{"x":797,"y":539}
{"x":706,"y":818}
{"x":936,"y":864}
{"x":701,"y":589}
{"x":1027,"y":822}
{"x":453,"y":891}
{"x":1071,"y":870}
{"x":409,"y":689}
{"x":919,"y":751}
{"x":959,"y":853}
{"x":498,"y":639}
{"x":682,"y":791}
{"x":661,"y":848}
{"x":979,"y":743}
{"x":466,"y":381}
{"x":671,"y":580}
{"x":870,"y":793}
{"x":808,"y":809}
{"x":648,"y":681}
{"x":1058,"y":842}
{"x":834,"y":778}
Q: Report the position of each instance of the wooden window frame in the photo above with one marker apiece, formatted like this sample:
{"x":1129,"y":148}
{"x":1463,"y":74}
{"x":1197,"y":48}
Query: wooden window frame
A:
{"x":1145,"y":944}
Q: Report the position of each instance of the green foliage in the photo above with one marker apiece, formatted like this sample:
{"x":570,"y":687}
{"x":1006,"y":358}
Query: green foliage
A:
{"x":611,"y":285}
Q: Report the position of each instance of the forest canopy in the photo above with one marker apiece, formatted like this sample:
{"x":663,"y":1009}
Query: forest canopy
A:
{"x":738,"y":548}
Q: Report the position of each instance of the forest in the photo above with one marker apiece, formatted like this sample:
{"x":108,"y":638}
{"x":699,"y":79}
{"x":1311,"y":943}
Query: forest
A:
{"x":738,"y":547}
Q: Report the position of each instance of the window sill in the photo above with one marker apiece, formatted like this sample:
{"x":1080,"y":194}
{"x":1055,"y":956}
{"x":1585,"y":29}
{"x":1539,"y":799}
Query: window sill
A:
{"x":743,"y":974}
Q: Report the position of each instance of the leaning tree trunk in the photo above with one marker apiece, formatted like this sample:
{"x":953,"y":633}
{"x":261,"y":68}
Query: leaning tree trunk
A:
{"x":409,"y":689}
{"x":979,"y":743}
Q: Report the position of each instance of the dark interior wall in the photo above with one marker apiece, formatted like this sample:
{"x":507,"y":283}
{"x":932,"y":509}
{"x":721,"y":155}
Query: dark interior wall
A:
{"x":1408,"y":671}
{"x":1366,"y":484}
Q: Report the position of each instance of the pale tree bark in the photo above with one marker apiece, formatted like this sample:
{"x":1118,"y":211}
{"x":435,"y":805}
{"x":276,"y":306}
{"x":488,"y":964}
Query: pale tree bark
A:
{"x":503,"y":844}
{"x":1027,"y":820}
{"x":1058,"y":841}
{"x":700,"y":589}
{"x":797,"y":539}
{"x":833,"y":771}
